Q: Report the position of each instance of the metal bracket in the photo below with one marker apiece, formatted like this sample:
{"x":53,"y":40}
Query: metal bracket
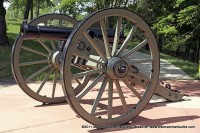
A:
{"x":168,"y":94}
{"x":163,"y":91}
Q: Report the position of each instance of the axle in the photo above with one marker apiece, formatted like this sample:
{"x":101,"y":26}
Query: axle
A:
{"x":62,"y":33}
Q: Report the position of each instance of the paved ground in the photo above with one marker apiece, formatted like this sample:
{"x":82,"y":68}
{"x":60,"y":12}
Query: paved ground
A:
{"x":169,"y":71}
{"x":21,"y":114}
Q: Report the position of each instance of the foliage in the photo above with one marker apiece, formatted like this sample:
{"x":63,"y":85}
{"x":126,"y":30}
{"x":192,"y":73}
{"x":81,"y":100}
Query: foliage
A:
{"x":17,"y":8}
{"x":176,"y":21}
{"x":71,"y":7}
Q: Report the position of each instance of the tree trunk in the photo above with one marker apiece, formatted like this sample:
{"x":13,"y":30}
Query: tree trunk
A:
{"x":187,"y":52}
{"x":178,"y":51}
{"x":31,"y":18}
{"x":160,"y":43}
{"x":38,"y":8}
{"x":193,"y":55}
{"x":126,"y":3}
{"x":27,"y":9}
{"x":3,"y":37}
{"x":198,"y":54}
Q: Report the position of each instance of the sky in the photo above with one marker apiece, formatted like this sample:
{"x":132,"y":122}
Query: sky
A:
{"x":6,"y":4}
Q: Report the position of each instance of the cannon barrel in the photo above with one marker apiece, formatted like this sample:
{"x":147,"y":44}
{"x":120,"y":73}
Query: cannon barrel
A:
{"x":45,"y":32}
{"x":60,"y":33}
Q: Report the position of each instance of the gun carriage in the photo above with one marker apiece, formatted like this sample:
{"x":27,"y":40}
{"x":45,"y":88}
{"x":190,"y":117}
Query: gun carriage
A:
{"x":107,"y":63}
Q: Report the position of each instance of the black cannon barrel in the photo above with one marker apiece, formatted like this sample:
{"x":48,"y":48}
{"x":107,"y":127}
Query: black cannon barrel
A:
{"x":60,"y":33}
{"x":45,"y":32}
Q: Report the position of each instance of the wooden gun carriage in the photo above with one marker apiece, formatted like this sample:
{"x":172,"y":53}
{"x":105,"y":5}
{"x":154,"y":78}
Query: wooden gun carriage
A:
{"x":108,"y":64}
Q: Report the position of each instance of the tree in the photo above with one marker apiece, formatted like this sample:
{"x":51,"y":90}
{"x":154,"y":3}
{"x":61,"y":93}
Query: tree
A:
{"x":27,"y":9}
{"x":99,"y":4}
{"x":16,"y":8}
{"x":29,"y":6}
{"x":70,"y":7}
{"x":175,"y":22}
{"x":3,"y":37}
{"x":43,"y":4}
{"x":180,"y":26}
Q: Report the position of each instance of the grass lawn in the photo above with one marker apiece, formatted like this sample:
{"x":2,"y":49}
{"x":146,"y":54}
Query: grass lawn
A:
{"x":13,"y":30}
{"x":5,"y":51}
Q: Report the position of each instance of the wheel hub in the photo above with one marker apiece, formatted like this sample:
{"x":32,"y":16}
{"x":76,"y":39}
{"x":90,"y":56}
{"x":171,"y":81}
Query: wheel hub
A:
{"x":117,"y":68}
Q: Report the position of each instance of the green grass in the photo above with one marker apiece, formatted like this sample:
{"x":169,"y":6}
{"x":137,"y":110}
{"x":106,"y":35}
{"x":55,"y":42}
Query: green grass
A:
{"x":5,"y":57}
{"x":5,"y":51}
{"x":188,"y":67}
{"x":13,"y":28}
{"x":197,"y":76}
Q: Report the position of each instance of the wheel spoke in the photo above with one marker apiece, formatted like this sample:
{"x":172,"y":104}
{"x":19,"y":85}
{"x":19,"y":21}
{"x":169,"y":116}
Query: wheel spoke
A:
{"x":101,"y":90}
{"x":53,"y":45}
{"x":44,"y":45}
{"x":110,"y":97}
{"x":54,"y":82}
{"x":38,"y":73}
{"x":87,"y":89}
{"x":34,"y":51}
{"x":77,"y":81}
{"x":116,"y":38}
{"x":87,"y":58}
{"x":40,"y":62}
{"x":99,"y":51}
{"x":125,"y":107}
{"x":80,"y":67}
{"x":105,"y":38}
{"x":33,"y":63}
{"x":44,"y":81}
{"x":125,"y":43}
{"x":134,"y":62}
{"x":90,"y":72}
{"x":135,"y":49}
{"x":132,"y":89}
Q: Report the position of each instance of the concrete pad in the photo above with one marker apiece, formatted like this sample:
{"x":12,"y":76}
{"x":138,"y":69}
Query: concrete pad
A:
{"x":187,"y":102}
{"x":21,"y":114}
{"x":170,"y":71}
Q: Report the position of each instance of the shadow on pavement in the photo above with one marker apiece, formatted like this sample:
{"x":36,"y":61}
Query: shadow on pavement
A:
{"x":6,"y":83}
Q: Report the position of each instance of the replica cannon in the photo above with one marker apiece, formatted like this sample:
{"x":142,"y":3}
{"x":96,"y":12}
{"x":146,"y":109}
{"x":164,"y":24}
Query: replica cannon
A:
{"x":108,"y":64}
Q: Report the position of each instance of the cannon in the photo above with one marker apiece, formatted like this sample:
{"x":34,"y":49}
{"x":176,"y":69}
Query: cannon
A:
{"x":107,"y":64}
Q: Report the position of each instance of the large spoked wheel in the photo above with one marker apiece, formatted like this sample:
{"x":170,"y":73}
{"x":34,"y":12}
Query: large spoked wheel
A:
{"x":36,"y":62}
{"x":124,"y":70}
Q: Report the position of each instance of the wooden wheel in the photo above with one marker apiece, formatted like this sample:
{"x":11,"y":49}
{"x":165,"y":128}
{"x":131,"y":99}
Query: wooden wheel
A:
{"x":36,"y":62}
{"x":124,"y":67}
